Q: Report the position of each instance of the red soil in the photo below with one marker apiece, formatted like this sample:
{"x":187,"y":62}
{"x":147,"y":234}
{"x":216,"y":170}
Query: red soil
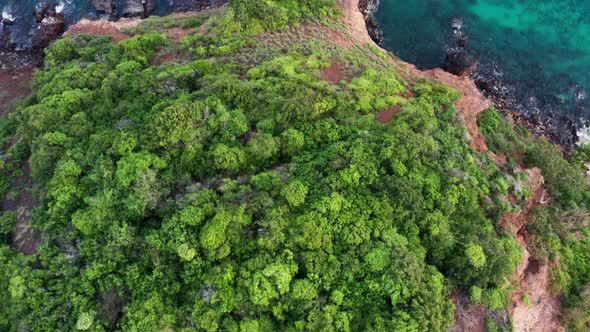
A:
{"x":354,"y":20}
{"x":102,"y":28}
{"x":532,"y":277}
{"x":387,"y":115}
{"x":334,"y":74}
{"x":177,"y":34}
{"x":12,"y":87}
{"x":115,"y":29}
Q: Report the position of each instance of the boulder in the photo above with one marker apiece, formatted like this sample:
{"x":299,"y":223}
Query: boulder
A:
{"x":51,"y":25}
{"x":7,"y":21}
{"x":5,"y":43}
{"x":135,"y":8}
{"x":459,"y":62}
{"x":5,"y":35}
{"x":105,"y":6}
{"x":196,"y":5}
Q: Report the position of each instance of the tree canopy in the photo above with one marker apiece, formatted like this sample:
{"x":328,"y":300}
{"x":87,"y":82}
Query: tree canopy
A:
{"x":222,"y":192}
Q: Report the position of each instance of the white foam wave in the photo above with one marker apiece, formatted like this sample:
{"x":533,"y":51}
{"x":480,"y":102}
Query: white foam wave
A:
{"x":584,"y":135}
{"x":7,"y":16}
{"x":60,"y":8}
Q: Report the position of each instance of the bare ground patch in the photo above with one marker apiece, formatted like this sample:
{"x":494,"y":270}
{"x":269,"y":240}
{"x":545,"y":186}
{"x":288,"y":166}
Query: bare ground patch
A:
{"x":334,"y":74}
{"x":532,"y":277}
{"x":12,"y":87}
{"x":468,"y":316}
{"x":103,"y":28}
{"x":386,"y":116}
{"x":25,"y":238}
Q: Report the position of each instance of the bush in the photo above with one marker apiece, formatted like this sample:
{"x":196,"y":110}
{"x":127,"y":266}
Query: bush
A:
{"x":7,"y":222}
{"x":496,"y":299}
{"x":475,"y":294}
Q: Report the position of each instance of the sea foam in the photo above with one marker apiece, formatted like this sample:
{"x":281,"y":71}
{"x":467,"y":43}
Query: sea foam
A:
{"x":6,"y":15}
{"x":60,"y":8}
{"x":583,"y":135}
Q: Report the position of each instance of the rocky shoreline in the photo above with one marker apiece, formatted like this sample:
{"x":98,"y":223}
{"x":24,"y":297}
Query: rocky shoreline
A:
{"x":460,"y":62}
{"x":50,"y":24}
{"x":368,"y":8}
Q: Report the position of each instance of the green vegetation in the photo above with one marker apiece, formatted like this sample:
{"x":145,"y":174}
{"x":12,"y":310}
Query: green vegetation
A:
{"x":252,"y":16}
{"x":558,"y":232}
{"x":236,"y":189}
{"x":163,"y":23}
{"x":12,"y":153}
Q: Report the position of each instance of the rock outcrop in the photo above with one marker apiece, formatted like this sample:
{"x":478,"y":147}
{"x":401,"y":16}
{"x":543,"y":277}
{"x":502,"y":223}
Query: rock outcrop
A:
{"x":51,"y":25}
{"x":368,"y":8}
{"x":457,"y":60}
{"x":138,"y":8}
{"x":108,"y":7}
{"x":198,"y":5}
{"x":5,"y":41}
{"x":129,"y":8}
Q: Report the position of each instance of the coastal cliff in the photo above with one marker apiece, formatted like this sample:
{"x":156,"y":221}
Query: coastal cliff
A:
{"x":267,"y":166}
{"x":544,"y":314}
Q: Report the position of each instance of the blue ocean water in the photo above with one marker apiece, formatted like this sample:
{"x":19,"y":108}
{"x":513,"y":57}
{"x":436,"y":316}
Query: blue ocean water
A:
{"x":21,"y":11}
{"x":541,"y":48}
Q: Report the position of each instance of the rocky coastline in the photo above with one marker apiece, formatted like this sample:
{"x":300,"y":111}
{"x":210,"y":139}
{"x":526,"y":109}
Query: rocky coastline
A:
{"x":459,"y":61}
{"x":368,"y":8}
{"x":50,"y":24}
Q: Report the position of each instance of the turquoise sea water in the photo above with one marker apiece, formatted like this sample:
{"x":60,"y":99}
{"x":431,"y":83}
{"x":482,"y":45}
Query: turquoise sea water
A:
{"x":540,"y":47}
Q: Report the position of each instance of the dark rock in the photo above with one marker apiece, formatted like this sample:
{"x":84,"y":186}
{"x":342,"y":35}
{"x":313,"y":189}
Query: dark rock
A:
{"x":456,"y":24}
{"x":41,"y":13}
{"x":459,"y":62}
{"x":462,"y":41}
{"x":196,"y":5}
{"x":15,"y":61}
{"x":108,"y":7}
{"x":138,"y":8}
{"x":207,"y":293}
{"x":368,"y":8}
{"x":5,"y":39}
{"x":51,"y":26}
{"x":6,"y":21}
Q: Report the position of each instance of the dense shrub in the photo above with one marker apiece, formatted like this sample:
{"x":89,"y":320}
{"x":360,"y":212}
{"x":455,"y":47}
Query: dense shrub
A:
{"x":211,"y":194}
